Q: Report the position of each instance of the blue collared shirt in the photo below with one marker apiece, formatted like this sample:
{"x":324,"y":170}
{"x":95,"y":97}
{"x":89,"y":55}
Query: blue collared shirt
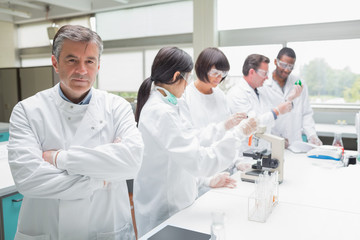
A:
{"x":85,"y":101}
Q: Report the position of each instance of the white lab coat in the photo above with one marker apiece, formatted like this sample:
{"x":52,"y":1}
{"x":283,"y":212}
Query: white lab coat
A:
{"x":72,"y":202}
{"x":242,"y":98}
{"x":300,"y":119}
{"x":206,"y":108}
{"x":173,"y":158}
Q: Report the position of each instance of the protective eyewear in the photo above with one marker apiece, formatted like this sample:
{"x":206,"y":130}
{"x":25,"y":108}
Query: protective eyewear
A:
{"x":284,"y":65}
{"x":262,"y":73}
{"x":216,"y":73}
{"x":187,"y":77}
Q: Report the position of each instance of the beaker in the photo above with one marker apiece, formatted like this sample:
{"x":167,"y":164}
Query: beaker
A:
{"x":338,"y":140}
{"x":217,"y":226}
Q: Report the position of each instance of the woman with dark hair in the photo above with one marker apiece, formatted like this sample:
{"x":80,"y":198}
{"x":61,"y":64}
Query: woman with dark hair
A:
{"x":173,"y":154}
{"x":208,"y":106}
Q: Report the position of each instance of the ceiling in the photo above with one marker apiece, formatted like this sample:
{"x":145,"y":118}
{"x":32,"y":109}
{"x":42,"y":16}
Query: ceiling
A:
{"x":27,"y":11}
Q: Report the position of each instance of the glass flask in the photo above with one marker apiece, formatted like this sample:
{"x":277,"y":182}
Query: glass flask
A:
{"x":338,"y":140}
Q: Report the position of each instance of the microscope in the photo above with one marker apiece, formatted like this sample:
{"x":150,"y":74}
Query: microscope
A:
{"x":266,"y":161}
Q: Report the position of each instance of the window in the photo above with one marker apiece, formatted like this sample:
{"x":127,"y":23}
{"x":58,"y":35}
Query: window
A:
{"x":155,"y":20}
{"x":121,"y":72}
{"x":36,"y":61}
{"x":33,"y":35}
{"x":330,"y":69}
{"x":150,"y":55}
{"x":235,"y":14}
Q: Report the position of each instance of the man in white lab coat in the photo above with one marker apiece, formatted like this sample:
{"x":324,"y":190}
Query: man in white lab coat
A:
{"x":72,"y":148}
{"x":246,"y":95}
{"x":300,"y":119}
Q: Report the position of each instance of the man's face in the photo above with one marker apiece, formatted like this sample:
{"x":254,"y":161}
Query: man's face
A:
{"x":284,"y":66}
{"x":260,"y":75}
{"x":77,"y":67}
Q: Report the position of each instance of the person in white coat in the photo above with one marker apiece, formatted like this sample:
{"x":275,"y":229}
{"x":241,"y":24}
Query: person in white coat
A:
{"x":72,"y":148}
{"x":277,"y":89}
{"x":247,"y":96}
{"x":207,"y":104}
{"x":173,"y":154}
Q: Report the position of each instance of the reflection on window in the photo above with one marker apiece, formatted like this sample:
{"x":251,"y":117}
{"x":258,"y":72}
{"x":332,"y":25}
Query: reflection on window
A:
{"x":330,"y":68}
{"x":235,"y":14}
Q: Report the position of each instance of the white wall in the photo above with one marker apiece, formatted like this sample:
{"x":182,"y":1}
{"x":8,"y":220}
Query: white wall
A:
{"x":8,"y":45}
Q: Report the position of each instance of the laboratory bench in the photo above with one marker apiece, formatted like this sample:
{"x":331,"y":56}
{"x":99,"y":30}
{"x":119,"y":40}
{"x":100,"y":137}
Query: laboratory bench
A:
{"x":4,"y":132}
{"x":10,"y":199}
{"x":317,"y":200}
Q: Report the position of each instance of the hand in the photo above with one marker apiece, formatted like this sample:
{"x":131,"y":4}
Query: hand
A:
{"x":222,"y":179}
{"x":48,"y":156}
{"x":247,"y":127}
{"x":284,"y":107}
{"x":315,"y":140}
{"x":234,"y":120}
{"x":295,"y":92}
{"x":243,"y":166}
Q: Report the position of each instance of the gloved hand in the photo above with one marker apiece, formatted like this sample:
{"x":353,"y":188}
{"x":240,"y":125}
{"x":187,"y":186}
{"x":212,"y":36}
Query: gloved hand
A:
{"x":243,"y":166}
{"x":284,"y":107}
{"x":315,"y":140}
{"x":222,"y":179}
{"x":295,"y":92}
{"x":234,"y":120}
{"x":246,"y":127}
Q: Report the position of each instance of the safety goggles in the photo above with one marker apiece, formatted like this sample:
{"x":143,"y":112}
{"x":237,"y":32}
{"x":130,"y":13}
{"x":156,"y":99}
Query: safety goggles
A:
{"x":284,"y":65}
{"x":216,"y":73}
{"x":187,"y":77}
{"x":262,"y":73}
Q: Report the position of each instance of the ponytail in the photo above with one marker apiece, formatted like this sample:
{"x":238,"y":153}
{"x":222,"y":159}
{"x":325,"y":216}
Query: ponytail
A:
{"x":167,"y":62}
{"x":142,"y":97}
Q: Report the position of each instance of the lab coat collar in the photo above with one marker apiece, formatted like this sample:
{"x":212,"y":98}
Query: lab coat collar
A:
{"x":94,"y":118}
{"x":245,"y":85}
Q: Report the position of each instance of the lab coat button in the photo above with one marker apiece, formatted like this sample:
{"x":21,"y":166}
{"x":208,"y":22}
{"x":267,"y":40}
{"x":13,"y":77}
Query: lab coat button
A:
{"x":69,"y":118}
{"x":101,"y":122}
{"x":92,"y":128}
{"x":71,"y":106}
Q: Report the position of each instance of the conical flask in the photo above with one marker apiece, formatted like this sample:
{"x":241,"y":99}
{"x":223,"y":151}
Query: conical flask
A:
{"x":338,"y":140}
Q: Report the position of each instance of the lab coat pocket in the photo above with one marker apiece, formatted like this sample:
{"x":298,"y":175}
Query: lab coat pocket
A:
{"x":124,"y":233}
{"x":21,"y":236}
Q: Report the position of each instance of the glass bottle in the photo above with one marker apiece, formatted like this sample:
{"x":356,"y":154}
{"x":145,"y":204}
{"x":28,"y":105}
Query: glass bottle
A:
{"x":338,"y":140}
{"x":217,"y":226}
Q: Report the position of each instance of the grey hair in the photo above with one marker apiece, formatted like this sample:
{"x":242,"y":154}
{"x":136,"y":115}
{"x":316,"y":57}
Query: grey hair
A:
{"x":75,"y":33}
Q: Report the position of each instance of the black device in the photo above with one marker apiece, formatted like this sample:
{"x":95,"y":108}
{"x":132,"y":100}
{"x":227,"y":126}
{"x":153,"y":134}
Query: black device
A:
{"x":177,"y":233}
{"x":263,"y":160}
